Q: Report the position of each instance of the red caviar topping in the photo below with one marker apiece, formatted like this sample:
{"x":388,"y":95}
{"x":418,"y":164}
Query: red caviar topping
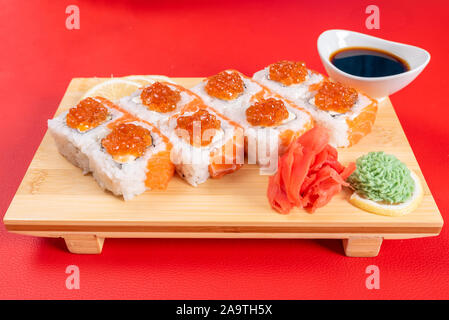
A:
{"x":333,"y":96}
{"x":267,"y":113}
{"x":160,"y":97}
{"x":225,"y":85}
{"x":126,"y":140}
{"x":205,"y":119}
{"x":88,"y":114}
{"x":288,"y":72}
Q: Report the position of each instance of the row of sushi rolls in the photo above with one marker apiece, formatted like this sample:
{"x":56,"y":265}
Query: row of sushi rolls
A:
{"x":287,"y":119}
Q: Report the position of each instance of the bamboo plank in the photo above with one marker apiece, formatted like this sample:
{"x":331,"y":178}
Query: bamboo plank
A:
{"x":56,"y":200}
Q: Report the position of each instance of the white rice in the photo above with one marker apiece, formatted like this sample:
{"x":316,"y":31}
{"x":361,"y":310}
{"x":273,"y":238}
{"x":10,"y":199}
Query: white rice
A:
{"x":127,"y":179}
{"x":73,"y":144}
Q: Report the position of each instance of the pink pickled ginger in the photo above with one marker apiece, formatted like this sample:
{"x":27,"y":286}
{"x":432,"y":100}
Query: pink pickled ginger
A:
{"x":308,"y":175}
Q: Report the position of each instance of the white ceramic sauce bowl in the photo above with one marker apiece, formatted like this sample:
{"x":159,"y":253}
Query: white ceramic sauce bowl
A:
{"x":331,"y":41}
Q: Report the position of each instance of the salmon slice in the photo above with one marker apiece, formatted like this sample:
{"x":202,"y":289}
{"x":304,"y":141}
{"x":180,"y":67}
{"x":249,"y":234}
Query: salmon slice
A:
{"x":217,"y":171}
{"x":160,"y":171}
{"x":228,"y":159}
{"x":361,"y":125}
{"x":286,"y":137}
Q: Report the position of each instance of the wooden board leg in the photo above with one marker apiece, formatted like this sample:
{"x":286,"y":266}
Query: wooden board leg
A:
{"x":362,"y":246}
{"x":84,"y":244}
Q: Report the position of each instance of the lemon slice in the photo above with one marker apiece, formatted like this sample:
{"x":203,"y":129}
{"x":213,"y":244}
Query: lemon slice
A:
{"x":146,"y":80}
{"x":391,"y":209}
{"x":113,"y":89}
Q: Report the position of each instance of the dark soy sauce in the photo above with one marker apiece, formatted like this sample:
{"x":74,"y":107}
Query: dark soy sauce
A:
{"x":368,"y":62}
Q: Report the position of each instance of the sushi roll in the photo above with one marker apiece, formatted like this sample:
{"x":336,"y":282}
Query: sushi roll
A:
{"x":346,"y":112}
{"x":157,"y":102}
{"x":270,"y":122}
{"x":131,"y":157}
{"x":76,"y":129}
{"x":206,"y":144}
{"x":289,"y":79}
{"x":177,"y":111}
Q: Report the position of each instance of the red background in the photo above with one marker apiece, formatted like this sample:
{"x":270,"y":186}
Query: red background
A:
{"x":39,"y":56}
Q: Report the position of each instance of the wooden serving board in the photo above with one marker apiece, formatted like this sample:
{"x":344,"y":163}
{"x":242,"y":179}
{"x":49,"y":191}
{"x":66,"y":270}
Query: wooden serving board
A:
{"x":56,"y":200}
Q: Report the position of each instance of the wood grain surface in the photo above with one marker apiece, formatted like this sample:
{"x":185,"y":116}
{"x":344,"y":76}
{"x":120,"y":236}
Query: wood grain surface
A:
{"x":56,"y":199}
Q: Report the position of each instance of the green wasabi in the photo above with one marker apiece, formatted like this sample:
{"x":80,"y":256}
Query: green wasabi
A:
{"x":383,"y":178}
